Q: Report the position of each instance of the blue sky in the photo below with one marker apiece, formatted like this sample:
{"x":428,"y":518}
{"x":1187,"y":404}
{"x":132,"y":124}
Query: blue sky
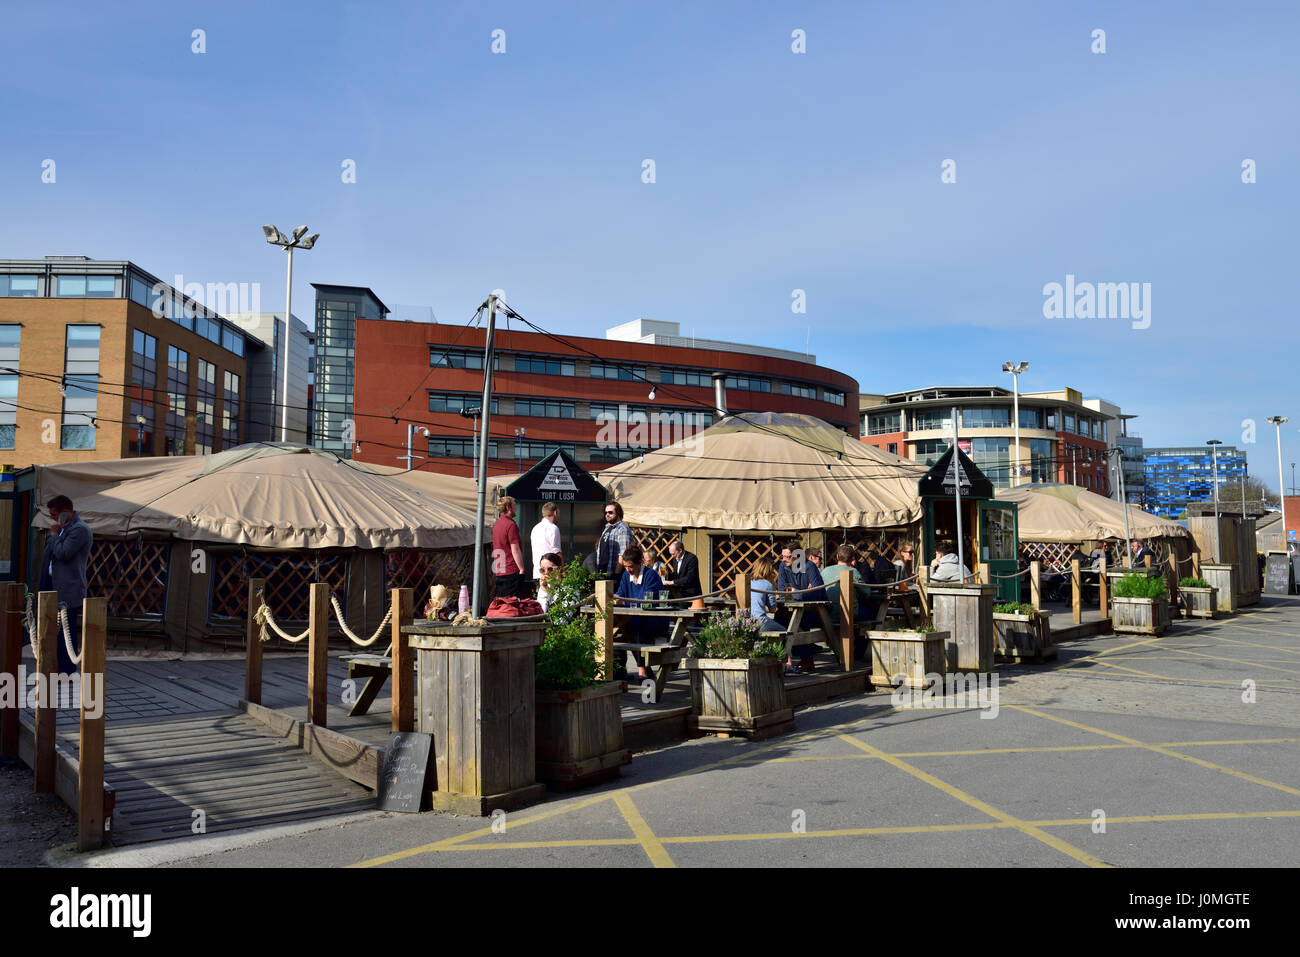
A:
{"x":775,"y":171}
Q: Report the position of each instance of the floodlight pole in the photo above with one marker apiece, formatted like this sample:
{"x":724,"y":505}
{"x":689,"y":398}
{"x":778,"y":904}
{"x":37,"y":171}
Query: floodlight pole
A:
{"x":284,"y":353}
{"x":1123,"y":501}
{"x":486,"y":410}
{"x":957,"y":472}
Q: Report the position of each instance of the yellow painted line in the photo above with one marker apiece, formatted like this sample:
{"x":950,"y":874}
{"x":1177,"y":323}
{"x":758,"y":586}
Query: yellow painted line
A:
{"x":653,"y":848}
{"x":1045,"y":749}
{"x":1027,"y":829}
{"x":1161,"y":750}
{"x":1239,"y":661}
{"x":1193,"y":681}
{"x":530,"y":845}
{"x":1270,"y":632}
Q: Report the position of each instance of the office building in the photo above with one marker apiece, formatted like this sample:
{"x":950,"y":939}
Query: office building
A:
{"x":265,"y":383}
{"x":338,"y":310}
{"x":1183,"y":476}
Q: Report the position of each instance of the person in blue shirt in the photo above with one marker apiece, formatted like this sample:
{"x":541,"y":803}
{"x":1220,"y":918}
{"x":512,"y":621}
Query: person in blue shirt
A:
{"x":639,"y":581}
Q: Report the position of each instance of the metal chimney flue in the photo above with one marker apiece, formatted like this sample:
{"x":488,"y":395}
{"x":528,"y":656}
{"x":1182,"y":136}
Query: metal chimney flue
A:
{"x":720,"y":393}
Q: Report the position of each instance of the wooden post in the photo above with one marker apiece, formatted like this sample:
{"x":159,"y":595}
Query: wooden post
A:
{"x":47,"y":638}
{"x":1196,"y":564}
{"x":1036,"y":584}
{"x":1173,"y":578}
{"x":403,"y":661}
{"x":318,"y":648}
{"x":923,"y":583}
{"x":90,"y":757}
{"x":253,"y":642}
{"x":1103,"y":586}
{"x":986,"y":577}
{"x":742,"y":593}
{"x":1076,"y":586}
{"x":11,"y":656}
{"x":848,"y":599}
{"x":1147,"y":561}
{"x":605,"y":626}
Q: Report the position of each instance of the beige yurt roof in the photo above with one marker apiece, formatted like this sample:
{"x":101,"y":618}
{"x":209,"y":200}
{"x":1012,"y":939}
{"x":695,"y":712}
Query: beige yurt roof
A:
{"x":762,"y":471}
{"x":274,"y":495}
{"x":1051,"y":512}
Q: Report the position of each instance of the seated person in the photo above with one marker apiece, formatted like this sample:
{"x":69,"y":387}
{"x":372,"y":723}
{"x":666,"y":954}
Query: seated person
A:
{"x":787,"y":579}
{"x":639,"y":581}
{"x":846,"y":557}
{"x":812,"y":576}
{"x":1095,"y":556}
{"x":945,"y":567}
{"x":684,"y":574}
{"x":551,"y":566}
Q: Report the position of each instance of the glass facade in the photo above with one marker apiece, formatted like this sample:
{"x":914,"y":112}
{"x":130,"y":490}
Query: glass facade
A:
{"x":178,"y":387}
{"x":883,"y":423}
{"x":230,"y":411}
{"x":144,"y":382}
{"x":993,"y":457}
{"x":454,"y":402}
{"x":337,"y":310}
{"x":205,"y":408}
{"x":1178,"y":477}
{"x":80,"y":387}
{"x":10,"y":341}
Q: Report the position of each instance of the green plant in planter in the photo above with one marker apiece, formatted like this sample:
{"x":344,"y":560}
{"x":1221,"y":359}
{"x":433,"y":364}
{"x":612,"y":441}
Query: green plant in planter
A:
{"x":1013,"y":608}
{"x":735,"y":636}
{"x":1136,"y":585}
{"x":566,"y":660}
{"x":1193,"y":583}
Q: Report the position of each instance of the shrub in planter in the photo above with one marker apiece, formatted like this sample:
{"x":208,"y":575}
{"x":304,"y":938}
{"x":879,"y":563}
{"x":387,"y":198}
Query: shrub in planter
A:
{"x":737,"y":683}
{"x":1022,"y":632}
{"x":579,"y":723}
{"x":1138,"y":585}
{"x":1140,"y":605}
{"x":1199,"y":598}
{"x":907,"y":653}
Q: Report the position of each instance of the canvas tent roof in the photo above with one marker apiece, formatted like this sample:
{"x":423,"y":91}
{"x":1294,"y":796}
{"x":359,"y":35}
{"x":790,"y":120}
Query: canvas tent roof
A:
{"x":1052,"y":512}
{"x":264,"y":494}
{"x":767,"y":471}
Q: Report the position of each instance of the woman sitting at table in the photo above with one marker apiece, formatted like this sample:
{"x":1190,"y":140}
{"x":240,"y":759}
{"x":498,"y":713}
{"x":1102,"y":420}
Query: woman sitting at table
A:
{"x":762,"y":599}
{"x":639,"y":581}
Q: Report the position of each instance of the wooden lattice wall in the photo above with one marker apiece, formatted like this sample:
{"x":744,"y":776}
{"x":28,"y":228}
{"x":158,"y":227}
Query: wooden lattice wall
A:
{"x":132,"y":575}
{"x":287,"y":576}
{"x":735,"y":553}
{"x":421,"y":569}
{"x":888,"y":541}
{"x":655,"y":541}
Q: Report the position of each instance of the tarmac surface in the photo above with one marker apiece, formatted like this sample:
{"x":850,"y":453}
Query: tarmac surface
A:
{"x":1179,"y":751}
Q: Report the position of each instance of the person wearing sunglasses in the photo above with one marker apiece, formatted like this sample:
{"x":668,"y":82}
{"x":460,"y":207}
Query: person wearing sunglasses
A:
{"x":615,"y":539}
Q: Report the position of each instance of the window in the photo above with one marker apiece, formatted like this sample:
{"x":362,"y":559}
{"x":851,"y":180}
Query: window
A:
{"x":539,"y":365}
{"x":94,"y":287}
{"x":545,"y":408}
{"x":205,"y":419}
{"x":622,"y":373}
{"x":1052,"y":419}
{"x":928,"y":451}
{"x":893,"y":447}
{"x":686,"y":377}
{"x":178,"y":385}
{"x":992,"y":456}
{"x":833,"y":397}
{"x":444,"y":359}
{"x":611,"y":453}
{"x":1031,"y":418}
{"x":144,"y":381}
{"x":208,"y":328}
{"x":22,"y":287}
{"x":232,"y":341}
{"x":986,"y":418}
{"x":532,"y":451}
{"x":141,"y":294}
{"x":932,"y":419}
{"x":454,"y":402}
{"x":80,"y":387}
{"x":230,"y":411}
{"x":882,"y":423}
{"x":747,"y":383}
{"x":798,"y":390}
{"x":10,"y":336}
{"x":1041,"y":467}
{"x":1069,"y":423}
{"x":441,"y":447}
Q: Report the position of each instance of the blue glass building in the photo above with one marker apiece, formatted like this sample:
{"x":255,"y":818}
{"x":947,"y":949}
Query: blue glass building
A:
{"x":1178,"y":477}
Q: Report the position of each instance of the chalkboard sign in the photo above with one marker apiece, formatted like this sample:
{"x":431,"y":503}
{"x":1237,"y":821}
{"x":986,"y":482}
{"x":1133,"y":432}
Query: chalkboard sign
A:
{"x":1278,"y":574}
{"x":404,"y":783}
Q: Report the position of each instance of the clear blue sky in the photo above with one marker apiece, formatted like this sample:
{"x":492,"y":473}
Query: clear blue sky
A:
{"x":775,"y":171}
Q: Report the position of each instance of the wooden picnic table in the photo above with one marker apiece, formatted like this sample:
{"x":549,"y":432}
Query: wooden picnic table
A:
{"x":661,"y":657}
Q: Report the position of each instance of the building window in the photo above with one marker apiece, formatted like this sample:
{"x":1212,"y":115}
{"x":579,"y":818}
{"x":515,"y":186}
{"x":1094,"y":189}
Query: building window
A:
{"x":233,"y":341}
{"x":611,"y":453}
{"x":205,"y":408}
{"x":1031,"y":418}
{"x":1069,"y":423}
{"x":21,"y":287}
{"x":883,"y":423}
{"x":1041,"y":467}
{"x":80,"y":387}
{"x":532,"y":451}
{"x":444,"y":359}
{"x":539,"y":365}
{"x":798,"y":390}
{"x":10,"y":337}
{"x":621,"y":373}
{"x":747,"y":383}
{"x":455,"y":402}
{"x":702,"y":380}
{"x":93,"y":287}
{"x":931,"y":419}
{"x":230,"y":411}
{"x":1051,"y":419}
{"x":544,"y":408}
{"x":992,"y":456}
{"x":833,"y":397}
{"x":178,"y":387}
{"x":986,"y":418}
{"x":893,"y":447}
{"x":928,"y":451}
{"x":144,"y":381}
{"x":442,"y":447}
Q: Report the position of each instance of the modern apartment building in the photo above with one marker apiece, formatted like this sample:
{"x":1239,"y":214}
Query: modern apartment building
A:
{"x":1061,"y":438}
{"x":100,"y":359}
{"x":338,"y":309}
{"x":1177,"y":477}
{"x":265,"y":383}
{"x":602,"y":400}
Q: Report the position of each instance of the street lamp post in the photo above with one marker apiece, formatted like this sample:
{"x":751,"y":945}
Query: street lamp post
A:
{"x":1277,"y":421}
{"x":1214,"y":459}
{"x":410,"y":455}
{"x":472,"y":413}
{"x":520,"y":434}
{"x":139,"y":433}
{"x":1015,"y":368}
{"x":277,"y":238}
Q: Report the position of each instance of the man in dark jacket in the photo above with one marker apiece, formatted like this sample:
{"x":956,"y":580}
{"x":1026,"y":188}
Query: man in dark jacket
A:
{"x":63,"y":570}
{"x":684,"y":580}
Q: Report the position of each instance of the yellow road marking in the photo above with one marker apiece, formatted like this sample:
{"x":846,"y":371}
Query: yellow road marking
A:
{"x":1043,"y":749}
{"x":1239,"y":661}
{"x":646,"y":837}
{"x":1027,"y":829}
{"x":1192,"y":681}
{"x":1161,"y":750}
{"x":1271,"y":632}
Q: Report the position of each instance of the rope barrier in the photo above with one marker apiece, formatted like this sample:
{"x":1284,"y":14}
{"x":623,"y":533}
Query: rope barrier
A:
{"x":1016,"y":575}
{"x":67,"y":635}
{"x":354,"y":638}
{"x":265,"y":620}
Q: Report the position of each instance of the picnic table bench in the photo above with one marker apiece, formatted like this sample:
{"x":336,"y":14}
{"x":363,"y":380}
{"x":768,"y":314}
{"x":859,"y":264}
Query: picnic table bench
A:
{"x":660,"y":657}
{"x":376,"y":670}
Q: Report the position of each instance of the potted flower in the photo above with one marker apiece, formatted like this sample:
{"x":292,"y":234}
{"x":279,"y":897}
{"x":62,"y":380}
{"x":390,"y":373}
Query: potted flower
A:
{"x":1022,"y":632}
{"x":910,"y":653}
{"x":1140,"y":606}
{"x":579,"y":722}
{"x":1200,"y":600}
{"x":737,"y":684}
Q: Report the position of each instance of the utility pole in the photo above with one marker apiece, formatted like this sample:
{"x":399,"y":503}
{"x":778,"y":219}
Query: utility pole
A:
{"x":958,"y":474}
{"x":486,"y":407}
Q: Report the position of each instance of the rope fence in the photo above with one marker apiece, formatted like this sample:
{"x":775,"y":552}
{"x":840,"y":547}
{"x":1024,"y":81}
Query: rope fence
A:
{"x":67,"y":635}
{"x":266,"y":620}
{"x":352,"y":636}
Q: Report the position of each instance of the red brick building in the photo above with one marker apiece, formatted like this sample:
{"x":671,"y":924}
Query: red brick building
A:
{"x":591,"y":397}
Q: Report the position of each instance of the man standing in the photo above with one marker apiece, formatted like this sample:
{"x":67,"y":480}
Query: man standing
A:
{"x":63,"y":569}
{"x":545,"y":537}
{"x":507,"y":551}
{"x":685,"y":580}
{"x":614,"y":541}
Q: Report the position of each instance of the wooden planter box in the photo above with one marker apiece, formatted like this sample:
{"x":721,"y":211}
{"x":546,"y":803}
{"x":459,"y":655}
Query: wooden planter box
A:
{"x":1024,"y":637}
{"x":1139,"y":616}
{"x":738,"y":696}
{"x":1226,"y":580}
{"x":965,"y":612}
{"x":580,"y":736}
{"x":1200,"y":602}
{"x":913,"y":654}
{"x":476,"y":697}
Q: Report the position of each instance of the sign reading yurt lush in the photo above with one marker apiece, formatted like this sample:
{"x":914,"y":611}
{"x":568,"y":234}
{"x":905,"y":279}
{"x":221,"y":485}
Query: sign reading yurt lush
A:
{"x":943,"y":478}
{"x":557,"y":478}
